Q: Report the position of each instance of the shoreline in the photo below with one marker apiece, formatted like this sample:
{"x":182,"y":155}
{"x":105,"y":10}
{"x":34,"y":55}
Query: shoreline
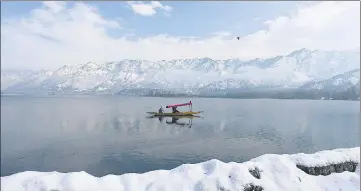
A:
{"x":329,"y":169}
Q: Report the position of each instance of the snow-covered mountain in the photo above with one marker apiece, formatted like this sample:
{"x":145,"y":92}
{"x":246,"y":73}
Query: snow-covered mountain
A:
{"x":11,"y":77}
{"x":192,"y":75}
{"x":341,"y":82}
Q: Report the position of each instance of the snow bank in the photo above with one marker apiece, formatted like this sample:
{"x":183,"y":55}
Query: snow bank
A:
{"x":267,"y":172}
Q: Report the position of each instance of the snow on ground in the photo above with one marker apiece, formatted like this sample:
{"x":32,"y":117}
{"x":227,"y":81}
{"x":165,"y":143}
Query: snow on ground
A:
{"x":277,"y":172}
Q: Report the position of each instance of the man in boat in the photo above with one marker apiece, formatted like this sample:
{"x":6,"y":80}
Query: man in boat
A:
{"x":160,"y":110}
{"x":175,"y":110}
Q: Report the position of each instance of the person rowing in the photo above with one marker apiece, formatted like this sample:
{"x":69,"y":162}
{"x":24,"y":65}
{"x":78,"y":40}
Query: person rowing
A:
{"x":175,"y":110}
{"x":160,"y":110}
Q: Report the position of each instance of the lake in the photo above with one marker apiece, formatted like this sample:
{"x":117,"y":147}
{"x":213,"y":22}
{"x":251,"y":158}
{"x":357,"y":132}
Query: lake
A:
{"x":111,"y":135}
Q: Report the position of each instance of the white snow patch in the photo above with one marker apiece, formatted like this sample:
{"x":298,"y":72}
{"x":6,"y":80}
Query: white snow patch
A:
{"x":99,"y":89}
{"x":278,"y":172}
{"x":324,"y":158}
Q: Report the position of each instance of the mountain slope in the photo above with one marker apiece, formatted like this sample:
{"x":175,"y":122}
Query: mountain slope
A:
{"x":341,"y":82}
{"x":11,"y":77}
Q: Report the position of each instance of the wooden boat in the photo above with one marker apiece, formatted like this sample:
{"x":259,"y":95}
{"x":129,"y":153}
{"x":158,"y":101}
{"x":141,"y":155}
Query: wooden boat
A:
{"x":187,"y":113}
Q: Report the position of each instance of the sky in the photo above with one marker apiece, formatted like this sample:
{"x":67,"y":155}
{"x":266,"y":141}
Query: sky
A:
{"x":48,"y":35}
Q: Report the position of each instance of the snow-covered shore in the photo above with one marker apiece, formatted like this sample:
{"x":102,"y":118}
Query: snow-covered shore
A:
{"x":267,"y":172}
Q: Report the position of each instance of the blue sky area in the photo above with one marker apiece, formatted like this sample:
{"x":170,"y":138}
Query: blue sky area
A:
{"x":198,"y":19}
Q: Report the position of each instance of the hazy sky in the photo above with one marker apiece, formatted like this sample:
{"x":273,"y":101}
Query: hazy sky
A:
{"x":48,"y":35}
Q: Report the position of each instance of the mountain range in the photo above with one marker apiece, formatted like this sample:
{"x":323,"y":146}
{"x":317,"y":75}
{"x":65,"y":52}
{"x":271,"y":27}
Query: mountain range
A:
{"x":306,"y":70}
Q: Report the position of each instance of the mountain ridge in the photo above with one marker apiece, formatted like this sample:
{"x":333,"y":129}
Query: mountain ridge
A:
{"x":292,"y":70}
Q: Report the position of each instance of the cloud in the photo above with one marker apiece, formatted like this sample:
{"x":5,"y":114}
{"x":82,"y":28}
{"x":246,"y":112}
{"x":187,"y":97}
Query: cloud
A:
{"x":54,"y":6}
{"x":148,"y":9}
{"x":57,"y":34}
{"x":222,"y":33}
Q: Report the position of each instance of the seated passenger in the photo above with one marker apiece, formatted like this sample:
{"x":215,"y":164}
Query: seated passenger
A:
{"x":175,"y":110}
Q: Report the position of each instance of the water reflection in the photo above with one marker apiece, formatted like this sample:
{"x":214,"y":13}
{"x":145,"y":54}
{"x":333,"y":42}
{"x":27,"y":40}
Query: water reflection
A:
{"x":175,"y":120}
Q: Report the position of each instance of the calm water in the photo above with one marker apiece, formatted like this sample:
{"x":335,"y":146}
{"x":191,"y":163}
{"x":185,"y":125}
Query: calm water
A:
{"x":111,"y":135}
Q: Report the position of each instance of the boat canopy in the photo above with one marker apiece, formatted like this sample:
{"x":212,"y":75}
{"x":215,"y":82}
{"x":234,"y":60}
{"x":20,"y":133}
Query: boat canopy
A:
{"x":176,"y":105}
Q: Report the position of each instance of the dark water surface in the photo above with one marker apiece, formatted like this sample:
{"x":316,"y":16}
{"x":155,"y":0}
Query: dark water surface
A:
{"x":111,"y":135}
